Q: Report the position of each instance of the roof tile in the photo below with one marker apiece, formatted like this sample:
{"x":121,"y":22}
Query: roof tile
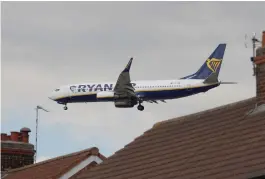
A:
{"x":223,"y":142}
{"x":52,"y":168}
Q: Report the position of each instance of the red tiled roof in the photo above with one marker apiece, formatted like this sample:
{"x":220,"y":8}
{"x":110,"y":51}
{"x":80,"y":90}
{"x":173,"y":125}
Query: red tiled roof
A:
{"x":222,"y":143}
{"x":53,"y":168}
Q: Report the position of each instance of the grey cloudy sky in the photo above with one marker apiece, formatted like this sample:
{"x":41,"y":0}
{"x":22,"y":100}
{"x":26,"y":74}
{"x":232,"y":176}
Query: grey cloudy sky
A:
{"x":48,"y":44}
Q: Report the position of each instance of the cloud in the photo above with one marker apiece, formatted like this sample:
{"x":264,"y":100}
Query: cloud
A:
{"x":48,"y":44}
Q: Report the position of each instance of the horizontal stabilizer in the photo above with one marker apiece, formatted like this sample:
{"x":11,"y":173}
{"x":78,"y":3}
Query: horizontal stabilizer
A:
{"x":213,"y":78}
{"x":228,"y":82}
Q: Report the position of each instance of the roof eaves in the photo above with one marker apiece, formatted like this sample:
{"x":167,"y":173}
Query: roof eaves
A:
{"x":74,"y":169}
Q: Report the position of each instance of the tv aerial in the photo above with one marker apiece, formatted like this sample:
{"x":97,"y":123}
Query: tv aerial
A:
{"x":37,"y":119}
{"x":254,"y":42}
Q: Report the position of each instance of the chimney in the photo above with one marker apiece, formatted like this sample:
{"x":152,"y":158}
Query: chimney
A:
{"x":260,"y":72}
{"x":263,"y":39}
{"x":4,"y":137}
{"x":14,"y":136}
{"x":25,"y":134}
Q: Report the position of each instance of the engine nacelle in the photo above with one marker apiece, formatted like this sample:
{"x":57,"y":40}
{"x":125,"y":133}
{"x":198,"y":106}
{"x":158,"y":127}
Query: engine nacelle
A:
{"x":120,"y":101}
{"x":123,"y":103}
{"x":105,"y":94}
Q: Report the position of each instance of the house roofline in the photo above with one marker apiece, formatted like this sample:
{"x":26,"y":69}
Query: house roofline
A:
{"x":93,"y":151}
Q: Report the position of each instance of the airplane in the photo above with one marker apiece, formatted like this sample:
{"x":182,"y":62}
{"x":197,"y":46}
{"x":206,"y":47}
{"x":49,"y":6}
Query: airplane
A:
{"x":126,"y":93}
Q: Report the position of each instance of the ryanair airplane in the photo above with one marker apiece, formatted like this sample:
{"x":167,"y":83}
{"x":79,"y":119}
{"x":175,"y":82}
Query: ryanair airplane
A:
{"x":126,"y":93}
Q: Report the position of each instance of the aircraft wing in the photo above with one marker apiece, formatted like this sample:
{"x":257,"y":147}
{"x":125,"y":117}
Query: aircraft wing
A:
{"x":123,"y":86}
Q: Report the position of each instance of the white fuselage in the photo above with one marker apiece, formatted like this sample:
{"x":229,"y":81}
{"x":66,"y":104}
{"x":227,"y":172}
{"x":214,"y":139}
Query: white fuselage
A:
{"x":148,"y":90}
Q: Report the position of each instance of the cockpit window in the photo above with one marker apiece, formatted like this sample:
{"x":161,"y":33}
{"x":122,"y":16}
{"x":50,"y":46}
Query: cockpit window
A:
{"x":57,"y":89}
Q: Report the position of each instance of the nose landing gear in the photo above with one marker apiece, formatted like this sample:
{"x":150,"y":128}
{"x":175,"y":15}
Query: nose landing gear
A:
{"x":65,"y":107}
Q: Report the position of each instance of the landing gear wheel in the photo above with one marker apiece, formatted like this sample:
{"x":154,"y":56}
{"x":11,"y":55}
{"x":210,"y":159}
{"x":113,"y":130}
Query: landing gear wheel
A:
{"x":65,"y":107}
{"x":140,"y":108}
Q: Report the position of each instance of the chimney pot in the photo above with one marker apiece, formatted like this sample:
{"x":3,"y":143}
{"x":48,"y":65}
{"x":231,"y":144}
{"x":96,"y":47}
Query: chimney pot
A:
{"x":25,"y":134}
{"x":260,"y":72}
{"x":25,"y":129}
{"x":14,"y":136}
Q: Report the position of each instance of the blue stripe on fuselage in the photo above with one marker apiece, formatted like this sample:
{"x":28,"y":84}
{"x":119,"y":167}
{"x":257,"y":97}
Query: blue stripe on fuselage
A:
{"x":171,"y":94}
{"x":149,"y":95}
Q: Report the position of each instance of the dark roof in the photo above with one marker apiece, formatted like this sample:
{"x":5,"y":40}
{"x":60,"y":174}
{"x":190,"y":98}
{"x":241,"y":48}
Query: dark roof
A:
{"x":224,"y":142}
{"x":53,"y":168}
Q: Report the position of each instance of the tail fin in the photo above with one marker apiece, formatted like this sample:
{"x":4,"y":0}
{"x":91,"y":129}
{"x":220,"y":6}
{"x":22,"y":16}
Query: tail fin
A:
{"x":211,"y":65}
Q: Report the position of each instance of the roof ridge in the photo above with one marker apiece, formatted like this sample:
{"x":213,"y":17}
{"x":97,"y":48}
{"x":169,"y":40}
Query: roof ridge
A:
{"x":188,"y":116}
{"x":53,"y":159}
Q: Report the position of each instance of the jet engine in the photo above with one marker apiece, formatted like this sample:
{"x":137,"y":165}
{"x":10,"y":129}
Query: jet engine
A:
{"x":120,"y":101}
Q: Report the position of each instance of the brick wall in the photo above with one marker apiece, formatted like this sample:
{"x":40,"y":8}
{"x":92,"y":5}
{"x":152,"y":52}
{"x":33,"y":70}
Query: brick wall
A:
{"x":261,"y":83}
{"x":260,"y":72}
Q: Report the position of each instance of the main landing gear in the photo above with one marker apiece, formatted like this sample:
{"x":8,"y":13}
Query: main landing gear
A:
{"x":140,"y":107}
{"x":65,"y":107}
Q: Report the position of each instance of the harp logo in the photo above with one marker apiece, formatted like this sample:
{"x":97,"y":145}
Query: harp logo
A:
{"x":213,"y":64}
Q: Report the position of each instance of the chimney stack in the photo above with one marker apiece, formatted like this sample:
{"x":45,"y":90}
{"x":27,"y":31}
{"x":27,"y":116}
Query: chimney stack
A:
{"x":260,"y":72}
{"x":263,"y":39}
{"x":16,"y":151}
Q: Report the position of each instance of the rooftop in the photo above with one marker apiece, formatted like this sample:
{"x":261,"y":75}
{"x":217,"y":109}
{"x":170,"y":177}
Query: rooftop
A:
{"x":63,"y":166}
{"x":224,"y":142}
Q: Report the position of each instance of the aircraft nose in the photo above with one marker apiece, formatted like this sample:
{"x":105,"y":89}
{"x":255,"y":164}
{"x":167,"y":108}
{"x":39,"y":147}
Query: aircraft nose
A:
{"x":57,"y":94}
{"x":52,"y":96}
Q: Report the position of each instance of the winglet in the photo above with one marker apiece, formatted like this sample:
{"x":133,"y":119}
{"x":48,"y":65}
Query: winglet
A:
{"x":127,"y":68}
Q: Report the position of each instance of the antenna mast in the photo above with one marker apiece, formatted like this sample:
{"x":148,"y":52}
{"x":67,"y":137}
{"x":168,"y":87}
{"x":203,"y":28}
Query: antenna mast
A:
{"x":37,"y":120}
{"x":254,"y":45}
